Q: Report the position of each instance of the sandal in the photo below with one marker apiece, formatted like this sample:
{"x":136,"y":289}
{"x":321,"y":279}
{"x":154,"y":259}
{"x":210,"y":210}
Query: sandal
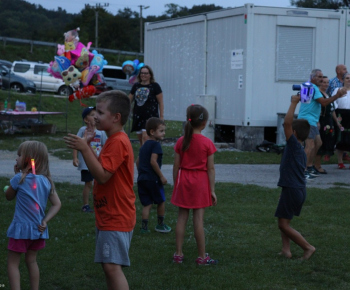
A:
{"x":341,"y":166}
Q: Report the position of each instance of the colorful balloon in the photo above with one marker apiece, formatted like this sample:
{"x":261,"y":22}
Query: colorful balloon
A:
{"x":128,"y":67}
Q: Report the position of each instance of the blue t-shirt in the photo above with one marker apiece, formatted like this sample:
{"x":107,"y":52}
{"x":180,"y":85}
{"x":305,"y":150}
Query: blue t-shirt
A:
{"x":293,"y":164}
{"x":311,"y":111}
{"x":333,"y":84}
{"x":31,"y":199}
{"x":145,"y":170}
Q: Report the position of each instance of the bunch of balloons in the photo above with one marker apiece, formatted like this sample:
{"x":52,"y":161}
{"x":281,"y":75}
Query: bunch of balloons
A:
{"x":131,"y":69}
{"x":75,"y":64}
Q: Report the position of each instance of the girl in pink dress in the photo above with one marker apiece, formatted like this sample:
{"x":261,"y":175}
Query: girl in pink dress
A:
{"x":194,"y":181}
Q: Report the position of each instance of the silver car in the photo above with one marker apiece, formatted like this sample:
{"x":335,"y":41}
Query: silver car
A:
{"x":44,"y":81}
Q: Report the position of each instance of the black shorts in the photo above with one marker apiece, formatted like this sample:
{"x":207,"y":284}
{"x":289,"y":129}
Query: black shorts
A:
{"x":86,"y":176}
{"x":290,"y":203}
{"x":150,"y":192}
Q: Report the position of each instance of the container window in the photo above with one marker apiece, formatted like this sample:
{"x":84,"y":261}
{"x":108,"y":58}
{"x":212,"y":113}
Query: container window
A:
{"x":295,"y":53}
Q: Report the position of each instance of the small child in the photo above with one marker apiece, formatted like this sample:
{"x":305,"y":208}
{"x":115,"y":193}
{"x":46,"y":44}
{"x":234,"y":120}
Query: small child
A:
{"x":32,"y":186}
{"x":292,"y":181}
{"x":114,"y":197}
{"x":78,"y":160}
{"x":194,"y":181}
{"x":150,"y":179}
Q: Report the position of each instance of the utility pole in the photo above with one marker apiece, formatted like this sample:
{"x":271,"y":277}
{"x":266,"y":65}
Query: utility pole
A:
{"x":141,"y":28}
{"x":98,"y":5}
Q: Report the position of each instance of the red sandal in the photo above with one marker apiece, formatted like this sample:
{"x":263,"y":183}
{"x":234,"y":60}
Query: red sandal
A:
{"x":341,"y":166}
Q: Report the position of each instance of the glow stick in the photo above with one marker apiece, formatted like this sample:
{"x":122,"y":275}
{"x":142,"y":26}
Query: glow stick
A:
{"x":33,"y":166}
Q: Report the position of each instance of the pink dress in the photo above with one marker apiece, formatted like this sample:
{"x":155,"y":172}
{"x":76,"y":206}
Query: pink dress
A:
{"x":192,"y":188}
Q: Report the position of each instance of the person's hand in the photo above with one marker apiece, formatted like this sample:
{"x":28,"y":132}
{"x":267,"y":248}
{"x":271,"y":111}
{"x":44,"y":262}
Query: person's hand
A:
{"x":75,"y":142}
{"x":295,"y":99}
{"x":342,"y":92}
{"x":90,"y":133}
{"x":163,"y":180}
{"x":75,"y":162}
{"x":214,"y":198}
{"x":42,"y":227}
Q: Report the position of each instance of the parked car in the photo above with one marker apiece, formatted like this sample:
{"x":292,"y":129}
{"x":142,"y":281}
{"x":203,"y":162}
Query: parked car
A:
{"x":116,"y":79}
{"x":15,"y":82}
{"x":6,"y":63}
{"x":37,"y":72}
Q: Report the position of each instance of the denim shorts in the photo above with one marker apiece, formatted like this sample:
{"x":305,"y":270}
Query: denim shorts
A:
{"x":313,"y":132}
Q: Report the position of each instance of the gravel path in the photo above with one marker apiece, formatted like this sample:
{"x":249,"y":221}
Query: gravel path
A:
{"x":262,"y":175}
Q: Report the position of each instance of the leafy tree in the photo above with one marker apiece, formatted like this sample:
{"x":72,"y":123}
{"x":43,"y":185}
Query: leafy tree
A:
{"x":323,"y":4}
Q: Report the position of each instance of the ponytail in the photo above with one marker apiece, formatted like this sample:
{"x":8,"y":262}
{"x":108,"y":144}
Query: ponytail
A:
{"x":195,"y":115}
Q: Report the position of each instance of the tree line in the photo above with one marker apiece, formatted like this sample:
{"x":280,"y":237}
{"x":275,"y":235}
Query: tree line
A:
{"x":121,"y":31}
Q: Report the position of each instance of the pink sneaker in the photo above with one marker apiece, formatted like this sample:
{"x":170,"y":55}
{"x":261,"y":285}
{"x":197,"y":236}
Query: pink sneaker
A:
{"x":178,"y":259}
{"x":206,"y":261}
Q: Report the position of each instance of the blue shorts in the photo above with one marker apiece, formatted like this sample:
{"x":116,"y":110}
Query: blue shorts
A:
{"x":86,"y":176}
{"x":290,"y":203}
{"x":313,"y":132}
{"x":150,"y":192}
{"x":112,"y":247}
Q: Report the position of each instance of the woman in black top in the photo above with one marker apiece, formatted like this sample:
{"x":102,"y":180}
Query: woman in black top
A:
{"x":148,"y":98}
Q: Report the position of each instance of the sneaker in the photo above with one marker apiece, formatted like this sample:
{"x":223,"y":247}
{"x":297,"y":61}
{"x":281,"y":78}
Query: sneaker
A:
{"x":341,"y":166}
{"x":143,"y":231}
{"x":206,"y":261}
{"x":312,"y":171}
{"x":308,"y":176}
{"x":86,"y":208}
{"x":178,"y":259}
{"x":163,"y":228}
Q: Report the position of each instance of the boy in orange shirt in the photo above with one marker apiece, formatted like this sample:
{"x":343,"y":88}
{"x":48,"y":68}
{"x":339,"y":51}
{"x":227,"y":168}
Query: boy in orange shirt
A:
{"x":114,"y":198}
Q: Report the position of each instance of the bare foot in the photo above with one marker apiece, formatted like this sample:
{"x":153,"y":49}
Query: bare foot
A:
{"x":308,"y":253}
{"x":287,"y":254}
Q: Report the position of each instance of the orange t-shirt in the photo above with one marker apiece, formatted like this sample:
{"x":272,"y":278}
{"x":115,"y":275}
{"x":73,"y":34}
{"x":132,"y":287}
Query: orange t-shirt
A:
{"x":114,"y":201}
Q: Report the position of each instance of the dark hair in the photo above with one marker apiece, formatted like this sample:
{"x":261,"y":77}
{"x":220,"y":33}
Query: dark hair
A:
{"x":153,"y":124}
{"x":302,"y":129}
{"x":152,"y":80}
{"x":195,"y":116}
{"x":119,"y":102}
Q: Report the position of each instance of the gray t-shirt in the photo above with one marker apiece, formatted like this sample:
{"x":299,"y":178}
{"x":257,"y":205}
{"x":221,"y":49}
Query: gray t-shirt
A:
{"x":293,"y":164}
{"x":96,"y":144}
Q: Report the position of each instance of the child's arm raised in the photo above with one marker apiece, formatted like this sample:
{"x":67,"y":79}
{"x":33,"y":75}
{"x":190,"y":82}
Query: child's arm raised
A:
{"x":54,"y":209}
{"x":211,"y":175}
{"x":288,"y":119}
{"x":156,"y":168}
{"x":176,"y":166}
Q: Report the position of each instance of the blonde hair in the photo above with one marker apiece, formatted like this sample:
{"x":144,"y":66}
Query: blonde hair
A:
{"x":38,"y":151}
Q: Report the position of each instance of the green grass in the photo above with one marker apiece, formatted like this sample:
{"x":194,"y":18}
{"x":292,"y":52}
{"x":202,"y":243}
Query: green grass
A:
{"x":241,"y":232}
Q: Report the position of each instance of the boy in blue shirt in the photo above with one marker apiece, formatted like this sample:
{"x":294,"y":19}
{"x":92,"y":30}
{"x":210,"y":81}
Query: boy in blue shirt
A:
{"x":292,"y":181}
{"x":150,"y":179}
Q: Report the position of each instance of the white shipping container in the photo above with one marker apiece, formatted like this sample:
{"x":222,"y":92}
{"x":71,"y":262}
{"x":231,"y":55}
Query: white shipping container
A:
{"x":248,"y":57}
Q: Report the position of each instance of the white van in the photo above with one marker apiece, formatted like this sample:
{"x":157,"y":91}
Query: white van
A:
{"x":44,"y":81}
{"x":116,"y":79}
